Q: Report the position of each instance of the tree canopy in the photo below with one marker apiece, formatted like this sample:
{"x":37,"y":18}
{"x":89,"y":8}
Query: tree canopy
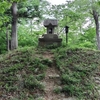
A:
{"x":82,"y":18}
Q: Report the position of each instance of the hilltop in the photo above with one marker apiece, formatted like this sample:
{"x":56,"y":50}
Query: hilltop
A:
{"x":50,"y":74}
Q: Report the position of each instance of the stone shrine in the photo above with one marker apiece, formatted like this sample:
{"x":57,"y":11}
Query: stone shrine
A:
{"x":50,"y":37}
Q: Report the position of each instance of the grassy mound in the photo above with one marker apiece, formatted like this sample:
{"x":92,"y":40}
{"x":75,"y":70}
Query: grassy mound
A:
{"x":78,"y":68}
{"x":22,"y":73}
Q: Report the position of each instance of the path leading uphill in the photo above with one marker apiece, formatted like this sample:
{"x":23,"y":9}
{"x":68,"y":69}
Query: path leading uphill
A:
{"x":52,"y":81}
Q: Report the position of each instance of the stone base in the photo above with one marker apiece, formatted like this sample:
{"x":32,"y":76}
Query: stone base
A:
{"x":50,"y":36}
{"x":49,"y":41}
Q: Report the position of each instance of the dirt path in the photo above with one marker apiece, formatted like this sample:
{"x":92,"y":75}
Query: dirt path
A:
{"x":51,"y":80}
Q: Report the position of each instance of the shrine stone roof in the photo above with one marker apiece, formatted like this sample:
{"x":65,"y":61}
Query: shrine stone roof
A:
{"x":50,"y":22}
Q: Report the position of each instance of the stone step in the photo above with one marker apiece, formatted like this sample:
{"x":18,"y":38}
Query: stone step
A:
{"x":70,"y":98}
{"x":97,"y":82}
{"x":97,"y":78}
{"x":54,"y":76}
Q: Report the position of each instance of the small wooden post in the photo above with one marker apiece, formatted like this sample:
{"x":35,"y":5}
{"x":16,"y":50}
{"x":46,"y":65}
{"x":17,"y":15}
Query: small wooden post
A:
{"x":66,"y":31}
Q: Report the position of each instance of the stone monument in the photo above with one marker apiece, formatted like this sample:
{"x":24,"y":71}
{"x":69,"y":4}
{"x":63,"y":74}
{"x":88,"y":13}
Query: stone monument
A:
{"x":50,"y":37}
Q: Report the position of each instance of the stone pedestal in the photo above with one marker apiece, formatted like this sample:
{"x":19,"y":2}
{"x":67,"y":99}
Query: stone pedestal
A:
{"x":49,"y":39}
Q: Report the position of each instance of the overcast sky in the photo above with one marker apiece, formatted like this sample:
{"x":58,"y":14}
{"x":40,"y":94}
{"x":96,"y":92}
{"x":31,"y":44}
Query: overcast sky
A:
{"x":56,"y":1}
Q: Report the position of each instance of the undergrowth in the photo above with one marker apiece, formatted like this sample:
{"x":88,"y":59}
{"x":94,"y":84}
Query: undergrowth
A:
{"x":78,"y":66}
{"x":22,"y":72}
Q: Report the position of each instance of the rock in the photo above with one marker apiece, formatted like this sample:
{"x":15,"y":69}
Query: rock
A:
{"x":54,"y":76}
{"x":63,"y":95}
{"x":97,"y":78}
{"x":40,"y":98}
{"x":70,"y":98}
{"x":97,"y":81}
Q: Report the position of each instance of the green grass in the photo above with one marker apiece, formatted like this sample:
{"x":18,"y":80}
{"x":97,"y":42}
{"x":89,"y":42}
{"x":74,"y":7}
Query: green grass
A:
{"x":22,"y":72}
{"x":78,"y":66}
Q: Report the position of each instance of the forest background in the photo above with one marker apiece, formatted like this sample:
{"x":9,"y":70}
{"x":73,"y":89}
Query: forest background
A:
{"x":21,"y":22}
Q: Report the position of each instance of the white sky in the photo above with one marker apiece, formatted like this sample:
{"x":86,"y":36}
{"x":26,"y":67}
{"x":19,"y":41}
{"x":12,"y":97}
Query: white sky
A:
{"x":57,"y":1}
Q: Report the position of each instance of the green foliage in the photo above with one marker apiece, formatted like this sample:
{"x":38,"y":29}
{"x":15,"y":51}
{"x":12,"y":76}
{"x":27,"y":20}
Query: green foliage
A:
{"x":23,"y":71}
{"x":57,"y":90}
{"x":77,"y":67}
{"x":52,"y":46}
{"x":10,"y":88}
{"x":31,"y":82}
{"x":29,"y":9}
{"x":47,"y":62}
{"x":26,"y":38}
{"x":32,"y":10}
{"x":40,"y":77}
{"x":4,"y":5}
{"x":13,"y":68}
{"x":2,"y":42}
{"x":87,"y":39}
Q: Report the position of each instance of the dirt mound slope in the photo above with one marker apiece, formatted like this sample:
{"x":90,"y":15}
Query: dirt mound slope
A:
{"x":56,"y":74}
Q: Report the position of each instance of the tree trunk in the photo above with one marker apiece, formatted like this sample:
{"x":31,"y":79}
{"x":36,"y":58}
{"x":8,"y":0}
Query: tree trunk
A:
{"x":7,"y":39}
{"x":96,"y":18}
{"x":14,"y":41}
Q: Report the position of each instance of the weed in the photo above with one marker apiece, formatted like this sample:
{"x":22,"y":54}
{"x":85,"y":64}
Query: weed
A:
{"x":47,"y":62}
{"x":57,"y":90}
{"x":10,"y":88}
{"x":31,"y":82}
{"x":52,"y":46}
{"x":40,"y":76}
{"x":77,"y":68}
